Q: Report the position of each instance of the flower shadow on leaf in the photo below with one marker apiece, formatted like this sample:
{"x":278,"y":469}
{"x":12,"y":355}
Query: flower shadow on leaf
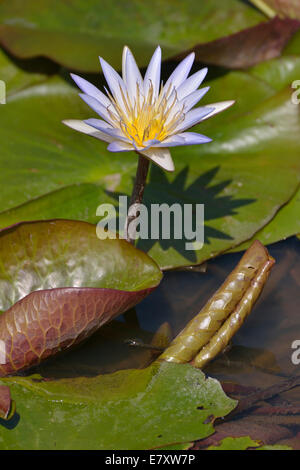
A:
{"x":11,"y":423}
{"x":160,"y":190}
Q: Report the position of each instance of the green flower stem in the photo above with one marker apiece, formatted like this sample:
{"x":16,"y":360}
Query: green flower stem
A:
{"x":232,"y":301}
{"x":137,"y":195}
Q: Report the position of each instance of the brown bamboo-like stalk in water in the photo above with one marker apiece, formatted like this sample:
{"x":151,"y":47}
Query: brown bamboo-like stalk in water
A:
{"x":209,"y":332}
{"x":223,"y":336}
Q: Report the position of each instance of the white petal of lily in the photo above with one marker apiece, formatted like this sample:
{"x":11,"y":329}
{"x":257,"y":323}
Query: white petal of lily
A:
{"x":185,"y":138}
{"x":118,"y":146}
{"x":193,"y":138}
{"x":81,"y":126}
{"x":181,"y":72}
{"x":124,"y":55}
{"x":134,"y":80}
{"x":106,"y":128}
{"x":97,"y":107}
{"x":152,"y":74}
{"x":193,"y":117}
{"x":218,"y":108}
{"x":160,"y":156}
{"x":191,"y":100}
{"x":90,"y":89}
{"x":114,"y":82}
{"x":147,"y":145}
{"x":191,"y":84}
{"x":172,"y":141}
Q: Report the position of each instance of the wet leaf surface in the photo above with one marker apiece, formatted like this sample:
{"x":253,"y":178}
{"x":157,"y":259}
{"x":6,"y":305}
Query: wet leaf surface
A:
{"x":59,"y":283}
{"x":105,"y":412}
{"x":67,"y":253}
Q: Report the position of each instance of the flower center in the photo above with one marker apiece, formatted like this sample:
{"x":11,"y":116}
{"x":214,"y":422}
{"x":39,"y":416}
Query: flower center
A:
{"x":148,"y":118}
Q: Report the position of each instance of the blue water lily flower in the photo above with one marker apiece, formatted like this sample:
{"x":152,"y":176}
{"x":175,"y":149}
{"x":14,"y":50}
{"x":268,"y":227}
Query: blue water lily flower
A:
{"x":141,"y":114}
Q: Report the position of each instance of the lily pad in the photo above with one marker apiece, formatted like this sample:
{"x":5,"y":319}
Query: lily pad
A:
{"x":260,"y":43}
{"x":166,"y":403}
{"x":285,"y":224}
{"x":244,"y":443}
{"x":17,"y":75}
{"x":293,"y":45}
{"x":76,"y":32}
{"x":59,"y":283}
{"x":235,"y":443}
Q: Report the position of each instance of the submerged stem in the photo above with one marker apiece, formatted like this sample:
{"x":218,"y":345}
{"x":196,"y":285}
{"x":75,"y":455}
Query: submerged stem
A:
{"x":137,"y":196}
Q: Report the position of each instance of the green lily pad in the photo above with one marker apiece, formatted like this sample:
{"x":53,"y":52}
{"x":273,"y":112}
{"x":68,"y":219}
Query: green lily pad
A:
{"x":167,"y":403}
{"x":244,"y":443}
{"x":184,"y":446}
{"x":235,"y":443}
{"x":59,"y":283}
{"x":66,"y":253}
{"x":292,"y":47}
{"x":285,"y":224}
{"x":278,"y":73}
{"x":17,"y":76}
{"x":76,"y":32}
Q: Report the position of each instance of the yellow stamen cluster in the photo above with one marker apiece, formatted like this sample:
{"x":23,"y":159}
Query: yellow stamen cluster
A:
{"x":147,"y":118}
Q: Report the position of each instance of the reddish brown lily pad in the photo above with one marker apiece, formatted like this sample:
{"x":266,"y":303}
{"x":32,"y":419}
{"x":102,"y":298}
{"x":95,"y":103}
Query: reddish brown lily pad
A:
{"x":248,"y":47}
{"x":60,"y":283}
{"x":266,"y":433}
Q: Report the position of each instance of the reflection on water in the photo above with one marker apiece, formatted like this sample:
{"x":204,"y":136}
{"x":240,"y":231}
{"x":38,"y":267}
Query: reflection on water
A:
{"x":261,"y":352}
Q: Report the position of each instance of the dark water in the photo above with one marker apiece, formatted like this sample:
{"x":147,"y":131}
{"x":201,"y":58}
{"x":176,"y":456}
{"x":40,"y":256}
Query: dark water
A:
{"x":261,"y":352}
